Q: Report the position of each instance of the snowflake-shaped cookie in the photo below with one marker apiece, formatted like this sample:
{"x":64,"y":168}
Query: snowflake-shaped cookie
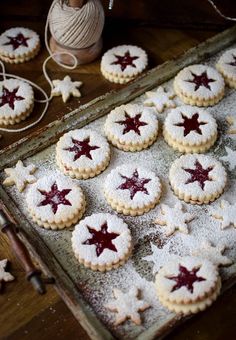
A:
{"x":66,"y":88}
{"x":232,"y":122}
{"x":212,"y":253}
{"x":226,"y":213}
{"x":127,"y":306}
{"x":160,"y":98}
{"x":20,"y":175}
{"x":230,"y":158}
{"x":160,"y":256}
{"x":4,"y":275}
{"x":174,"y":218}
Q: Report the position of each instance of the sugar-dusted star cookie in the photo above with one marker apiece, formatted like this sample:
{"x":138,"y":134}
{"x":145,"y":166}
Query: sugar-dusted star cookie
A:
{"x":160,"y":98}
{"x":127,"y":305}
{"x":20,"y":175}
{"x":226,"y":213}
{"x":212,"y":253}
{"x":160,"y":256}
{"x":232,"y":122}
{"x":66,"y":88}
{"x":174,"y":219}
{"x":230,"y":158}
{"x":4,"y":275}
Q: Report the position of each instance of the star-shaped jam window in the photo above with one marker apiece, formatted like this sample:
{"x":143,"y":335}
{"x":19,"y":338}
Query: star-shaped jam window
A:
{"x":102,"y":239}
{"x":191,"y":124}
{"x":199,"y":174}
{"x":201,"y":80}
{"x":81,"y":148}
{"x":131,"y":123}
{"x":233,"y":63}
{"x":55,"y":197}
{"x":18,"y":40}
{"x":125,"y":60}
{"x":186,"y":278}
{"x":10,"y":97}
{"x":134,"y":184}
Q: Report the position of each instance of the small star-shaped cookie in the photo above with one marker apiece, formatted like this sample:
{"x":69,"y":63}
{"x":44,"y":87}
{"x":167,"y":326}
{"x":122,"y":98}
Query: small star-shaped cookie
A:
{"x":160,"y":99}
{"x":160,"y":256}
{"x":127,"y":306}
{"x":212,"y":253}
{"x":230,"y":158}
{"x":174,"y":219}
{"x":20,"y":175}
{"x":66,"y":88}
{"x":232,"y":122}
{"x":4,"y":275}
{"x":226,"y":213}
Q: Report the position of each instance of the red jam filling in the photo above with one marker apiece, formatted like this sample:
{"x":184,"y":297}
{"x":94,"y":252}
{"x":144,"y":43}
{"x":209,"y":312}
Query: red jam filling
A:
{"x":54,"y":197}
{"x":191,"y":124}
{"x":18,"y":40}
{"x":134,"y":184}
{"x":9,"y":97}
{"x":82,"y":148}
{"x":201,"y":80}
{"x":199,"y":174}
{"x":102,"y":239}
{"x":125,"y":60}
{"x":233,"y":63}
{"x":131,"y":123}
{"x":186,"y":278}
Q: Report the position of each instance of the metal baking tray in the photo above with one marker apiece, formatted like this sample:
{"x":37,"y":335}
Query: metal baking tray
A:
{"x":84,"y":291}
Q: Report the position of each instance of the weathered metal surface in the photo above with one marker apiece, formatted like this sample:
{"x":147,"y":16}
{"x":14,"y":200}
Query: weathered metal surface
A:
{"x":52,"y":249}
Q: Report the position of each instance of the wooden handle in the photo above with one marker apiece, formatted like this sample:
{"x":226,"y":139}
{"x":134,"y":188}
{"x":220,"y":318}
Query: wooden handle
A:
{"x":76,"y":3}
{"x":20,"y":251}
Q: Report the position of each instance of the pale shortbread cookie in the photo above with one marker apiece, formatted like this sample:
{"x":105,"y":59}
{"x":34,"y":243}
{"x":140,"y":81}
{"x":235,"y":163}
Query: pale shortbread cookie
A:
{"x":18,"y":45}
{"x":20,"y":175}
{"x":232,"y":122}
{"x":225,"y":213}
{"x":160,"y":99}
{"x":122,"y":63}
{"x":16,"y":101}
{"x":127,"y":305}
{"x":174,"y":219}
{"x":132,"y":190}
{"x":190,"y":129}
{"x":102,"y":242}
{"x":55,"y":202}
{"x":199,"y":85}
{"x":229,"y":158}
{"x":131,"y":127}
{"x":212,"y":253}
{"x":226,"y":65}
{"x":66,"y":88}
{"x":197,"y":179}
{"x":188,"y":285}
{"x":82,"y":153}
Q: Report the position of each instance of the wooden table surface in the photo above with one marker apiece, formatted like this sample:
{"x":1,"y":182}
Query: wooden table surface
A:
{"x":24,"y":314}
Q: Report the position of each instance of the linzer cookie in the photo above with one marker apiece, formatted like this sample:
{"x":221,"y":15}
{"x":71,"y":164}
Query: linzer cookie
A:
{"x":199,"y":85}
{"x":227,"y":67}
{"x":123,"y":63}
{"x":188,"y":285}
{"x":102,"y":242}
{"x":82,"y":153}
{"x":16,"y":101}
{"x":197,"y":179}
{"x":131,"y":127}
{"x":132,"y":190}
{"x":190,"y":129}
{"x":55,"y":202}
{"x":18,"y":45}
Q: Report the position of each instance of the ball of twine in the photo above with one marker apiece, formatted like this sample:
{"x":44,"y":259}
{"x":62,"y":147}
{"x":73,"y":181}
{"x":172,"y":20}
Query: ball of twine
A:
{"x":76,"y":27}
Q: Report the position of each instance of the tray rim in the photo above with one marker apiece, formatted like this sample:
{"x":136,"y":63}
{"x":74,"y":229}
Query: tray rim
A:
{"x":48,"y":135}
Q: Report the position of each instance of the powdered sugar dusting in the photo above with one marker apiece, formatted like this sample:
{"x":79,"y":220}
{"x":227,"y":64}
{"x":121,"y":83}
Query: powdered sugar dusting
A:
{"x":97,"y":287}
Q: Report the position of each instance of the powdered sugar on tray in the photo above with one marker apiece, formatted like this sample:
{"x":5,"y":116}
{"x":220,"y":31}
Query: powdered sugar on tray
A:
{"x":148,"y":237}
